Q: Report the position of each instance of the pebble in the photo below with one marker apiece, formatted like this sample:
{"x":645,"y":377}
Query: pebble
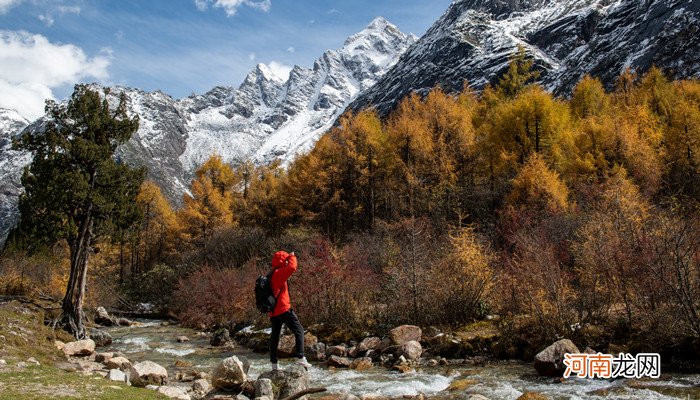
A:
{"x":3,"y":363}
{"x":33,"y":361}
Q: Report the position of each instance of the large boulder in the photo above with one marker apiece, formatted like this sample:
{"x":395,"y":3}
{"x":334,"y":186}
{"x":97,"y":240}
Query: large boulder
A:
{"x":361,"y":364}
{"x":229,"y":374}
{"x":80,"y":348}
{"x":103,"y":318}
{"x":339,"y":362}
{"x":263,"y":388}
{"x":147,"y":373}
{"x":117,"y":376}
{"x":288,"y":382}
{"x":550,"y":361}
{"x":286,"y":348}
{"x":339,"y":350}
{"x":411,"y":350}
{"x":173,"y":392}
{"x":316,"y":352}
{"x":370,"y":343}
{"x":201,"y":386}
{"x":100,"y":337}
{"x":405,"y":333}
{"x":221,"y":338}
{"x":121,"y":363}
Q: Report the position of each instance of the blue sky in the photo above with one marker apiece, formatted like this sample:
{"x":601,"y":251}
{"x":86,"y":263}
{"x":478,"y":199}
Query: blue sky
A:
{"x":177,"y":46}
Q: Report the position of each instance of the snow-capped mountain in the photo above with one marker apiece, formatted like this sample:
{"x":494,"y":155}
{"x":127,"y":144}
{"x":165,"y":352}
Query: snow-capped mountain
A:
{"x":11,"y":167}
{"x":474,"y":40}
{"x":277,"y":117}
{"x":267,"y":117}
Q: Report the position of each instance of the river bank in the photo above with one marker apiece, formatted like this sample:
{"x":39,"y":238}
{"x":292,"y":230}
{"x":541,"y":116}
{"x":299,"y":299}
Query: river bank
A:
{"x":507,"y":380}
{"x":31,"y":367}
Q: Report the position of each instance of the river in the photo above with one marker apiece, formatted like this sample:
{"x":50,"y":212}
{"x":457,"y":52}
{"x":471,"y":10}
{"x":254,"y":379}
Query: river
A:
{"x":498,"y":381}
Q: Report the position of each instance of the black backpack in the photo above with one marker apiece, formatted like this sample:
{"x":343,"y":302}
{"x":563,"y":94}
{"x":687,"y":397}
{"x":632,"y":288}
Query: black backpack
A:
{"x":265,"y":300}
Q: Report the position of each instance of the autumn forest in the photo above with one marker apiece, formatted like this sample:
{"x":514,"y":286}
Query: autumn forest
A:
{"x":573,"y":217}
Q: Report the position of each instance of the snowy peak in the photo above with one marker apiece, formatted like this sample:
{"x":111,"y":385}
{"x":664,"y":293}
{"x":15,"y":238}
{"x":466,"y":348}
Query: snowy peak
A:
{"x":475,"y":39}
{"x":11,"y":167}
{"x":11,"y":122}
{"x":380,"y":36}
{"x":277,"y":113}
{"x":379,"y":29}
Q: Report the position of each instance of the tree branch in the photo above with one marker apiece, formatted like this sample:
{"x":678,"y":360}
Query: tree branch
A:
{"x":304,"y":393}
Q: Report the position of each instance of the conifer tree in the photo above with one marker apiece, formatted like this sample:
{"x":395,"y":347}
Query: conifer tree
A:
{"x":75,"y":188}
{"x":158,"y":227}
{"x":519,"y":74}
{"x":210,"y":204}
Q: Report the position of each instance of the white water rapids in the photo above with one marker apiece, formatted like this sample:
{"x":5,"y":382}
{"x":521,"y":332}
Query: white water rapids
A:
{"x":498,"y":381}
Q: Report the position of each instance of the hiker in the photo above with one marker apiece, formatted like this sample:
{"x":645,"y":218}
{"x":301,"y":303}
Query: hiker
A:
{"x":283,"y":266}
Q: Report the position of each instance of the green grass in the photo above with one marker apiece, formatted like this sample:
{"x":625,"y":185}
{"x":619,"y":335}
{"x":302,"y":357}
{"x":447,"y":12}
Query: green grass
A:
{"x":35,"y":383}
{"x":24,"y":335}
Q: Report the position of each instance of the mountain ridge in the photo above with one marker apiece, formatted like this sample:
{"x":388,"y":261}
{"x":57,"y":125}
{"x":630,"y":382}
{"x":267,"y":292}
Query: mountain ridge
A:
{"x":474,"y":41}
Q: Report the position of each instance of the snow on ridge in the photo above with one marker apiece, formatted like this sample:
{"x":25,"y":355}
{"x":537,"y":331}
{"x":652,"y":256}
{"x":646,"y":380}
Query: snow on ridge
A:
{"x":268,"y":118}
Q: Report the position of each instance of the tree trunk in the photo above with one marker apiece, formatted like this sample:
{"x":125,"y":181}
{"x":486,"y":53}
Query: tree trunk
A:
{"x":72,"y":307}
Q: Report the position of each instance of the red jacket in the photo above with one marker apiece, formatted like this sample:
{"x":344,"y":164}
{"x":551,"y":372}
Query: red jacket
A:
{"x":284,"y":265}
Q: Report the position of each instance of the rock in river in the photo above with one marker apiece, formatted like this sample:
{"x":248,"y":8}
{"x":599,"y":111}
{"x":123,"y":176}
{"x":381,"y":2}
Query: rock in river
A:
{"x":100,"y":337}
{"x":229,"y":374}
{"x":550,"y":361}
{"x":288,"y":382}
{"x":411,"y":350}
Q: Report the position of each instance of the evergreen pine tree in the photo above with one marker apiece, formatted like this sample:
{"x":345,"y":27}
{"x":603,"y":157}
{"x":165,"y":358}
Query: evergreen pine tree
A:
{"x":75,"y":189}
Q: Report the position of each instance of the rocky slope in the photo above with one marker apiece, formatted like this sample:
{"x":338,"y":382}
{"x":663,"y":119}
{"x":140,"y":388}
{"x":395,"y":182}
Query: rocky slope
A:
{"x":474,"y":40}
{"x":11,"y":166}
{"x":267,"y":117}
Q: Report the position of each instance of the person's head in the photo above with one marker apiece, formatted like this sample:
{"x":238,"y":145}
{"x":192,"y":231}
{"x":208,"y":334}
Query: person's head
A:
{"x":279,"y":259}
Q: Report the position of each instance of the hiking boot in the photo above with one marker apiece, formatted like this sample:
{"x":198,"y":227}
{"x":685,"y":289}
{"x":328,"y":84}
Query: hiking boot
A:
{"x":302,"y":361}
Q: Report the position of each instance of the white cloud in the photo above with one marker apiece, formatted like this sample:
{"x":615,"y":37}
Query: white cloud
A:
{"x":231,"y":6}
{"x":252,"y":56}
{"x":280,"y":70}
{"x":32,"y":67}
{"x":46,"y":19}
{"x":200,"y":4}
{"x":5,"y":5}
{"x":291,"y":49}
{"x":69,"y":9}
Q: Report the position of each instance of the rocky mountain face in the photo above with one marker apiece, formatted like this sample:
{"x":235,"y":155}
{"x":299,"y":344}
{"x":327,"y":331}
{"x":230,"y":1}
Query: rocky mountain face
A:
{"x":267,"y":117}
{"x":11,"y":167}
{"x":474,"y":40}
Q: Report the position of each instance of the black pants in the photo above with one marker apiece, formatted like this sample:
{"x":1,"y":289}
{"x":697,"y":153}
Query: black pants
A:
{"x":292,"y":322}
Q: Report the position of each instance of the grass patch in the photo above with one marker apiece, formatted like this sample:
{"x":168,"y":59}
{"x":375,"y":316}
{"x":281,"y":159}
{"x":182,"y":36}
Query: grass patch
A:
{"x":23,"y":334}
{"x":38,"y":383}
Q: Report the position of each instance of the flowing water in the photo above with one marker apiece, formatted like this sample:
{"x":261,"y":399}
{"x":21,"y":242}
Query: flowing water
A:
{"x":507,"y":381}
